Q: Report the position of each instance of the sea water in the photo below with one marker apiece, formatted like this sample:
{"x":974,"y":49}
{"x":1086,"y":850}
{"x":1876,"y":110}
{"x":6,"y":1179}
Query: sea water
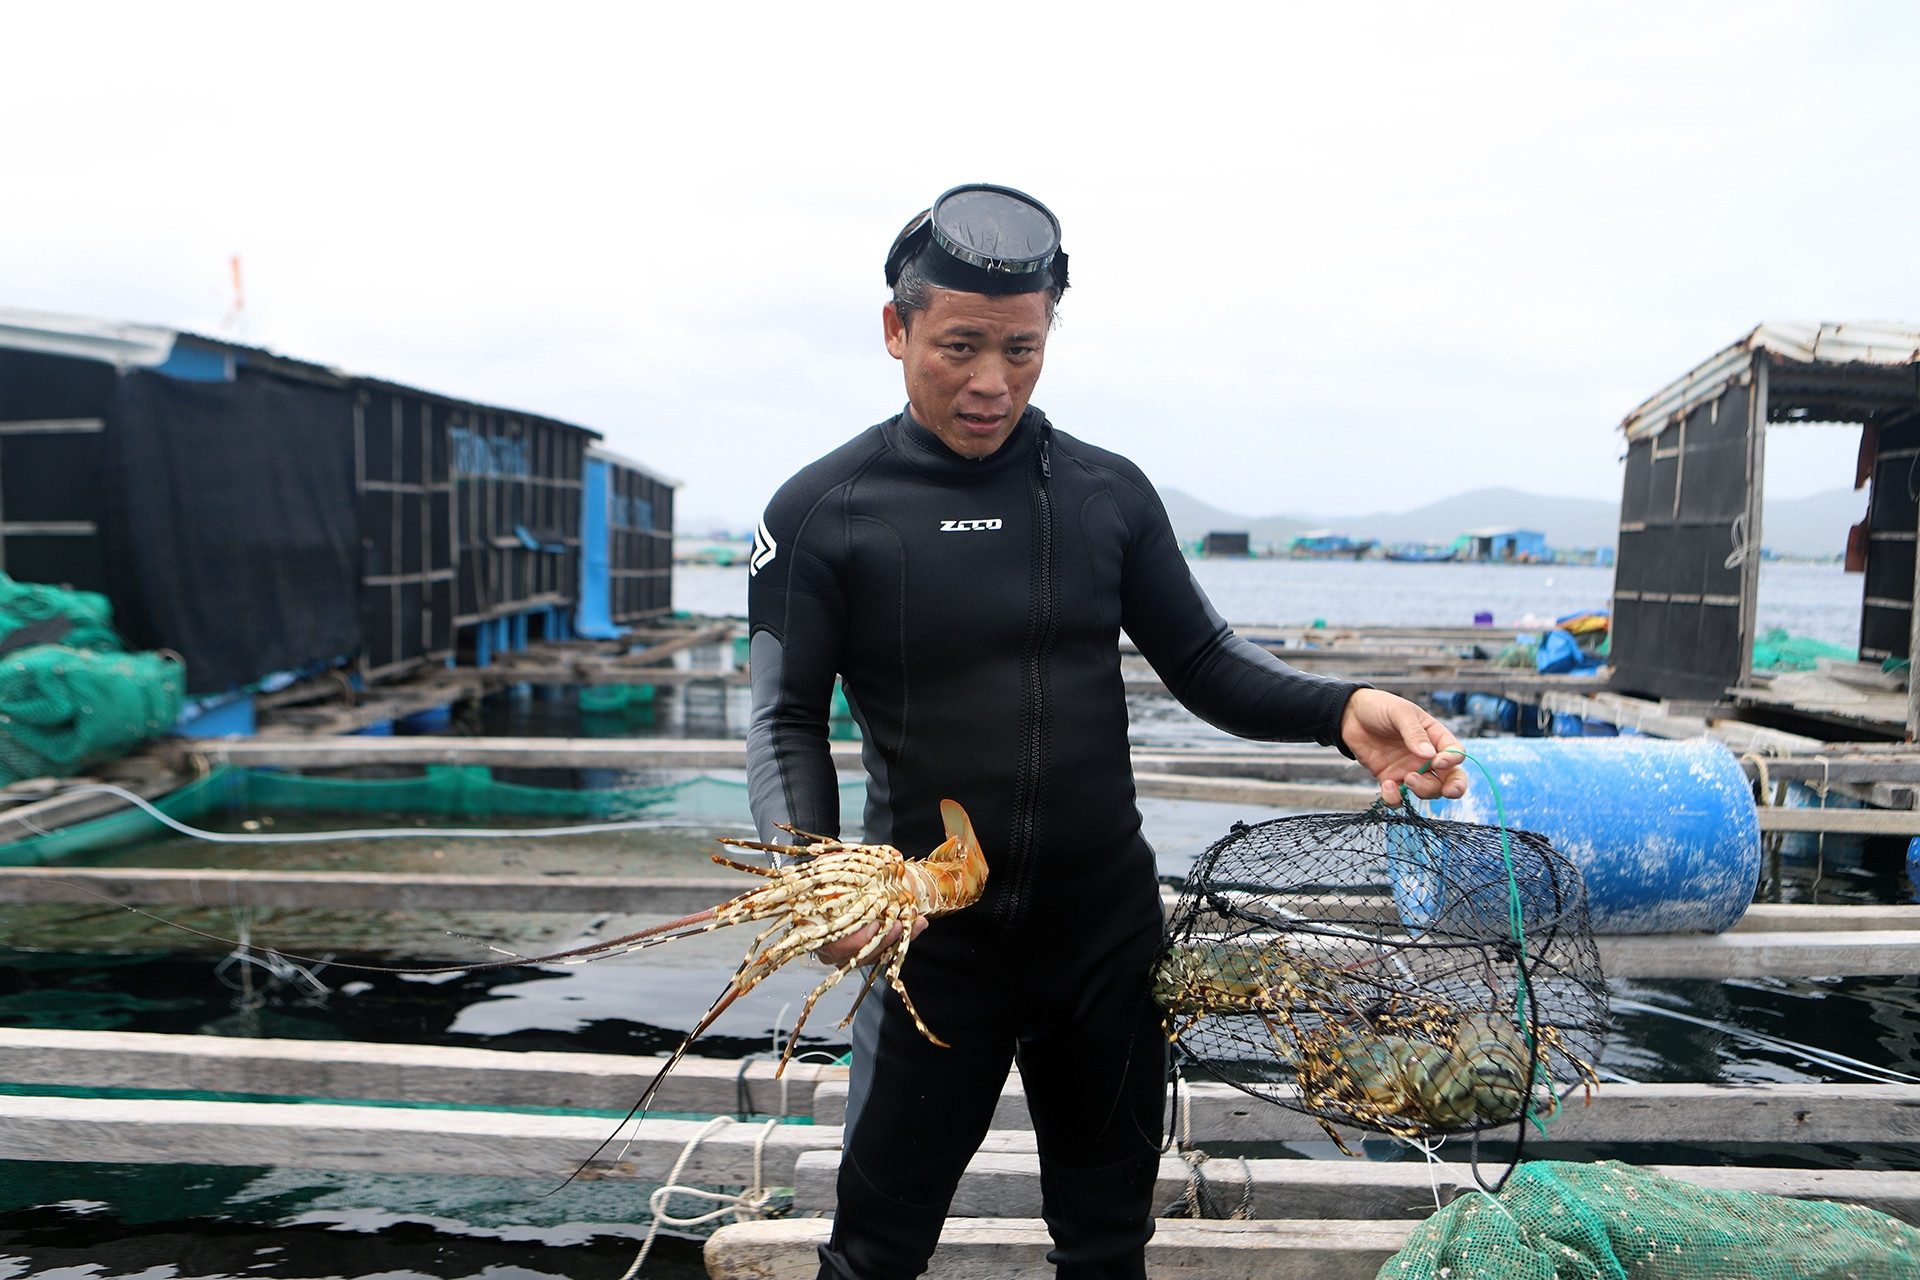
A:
{"x":1817,"y":601}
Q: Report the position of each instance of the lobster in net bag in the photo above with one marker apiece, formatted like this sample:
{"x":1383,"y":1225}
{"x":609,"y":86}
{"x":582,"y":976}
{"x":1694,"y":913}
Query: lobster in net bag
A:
{"x":1387,"y":971}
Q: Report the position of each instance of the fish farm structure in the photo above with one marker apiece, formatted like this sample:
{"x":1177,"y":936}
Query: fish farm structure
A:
{"x":257,"y":514}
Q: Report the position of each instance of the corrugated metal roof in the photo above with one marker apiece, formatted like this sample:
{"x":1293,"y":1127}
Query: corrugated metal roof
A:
{"x":1882,"y":342}
{"x":116,"y":342}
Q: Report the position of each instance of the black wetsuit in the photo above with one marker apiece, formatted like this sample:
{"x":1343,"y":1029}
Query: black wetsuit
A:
{"x":972,"y":610}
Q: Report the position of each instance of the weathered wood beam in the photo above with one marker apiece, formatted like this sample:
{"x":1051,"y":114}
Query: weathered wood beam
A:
{"x":1007,"y":1185}
{"x":365,"y":890}
{"x":355,"y":1070}
{"x":1822,"y":954}
{"x":1618,"y":1113}
{"x":1017,"y":1248}
{"x":1866,"y":822}
{"x":515,"y":753}
{"x":390,"y":1139}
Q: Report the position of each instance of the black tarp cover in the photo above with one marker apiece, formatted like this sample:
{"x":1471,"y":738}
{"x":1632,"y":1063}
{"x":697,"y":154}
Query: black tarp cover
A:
{"x":232,"y":531}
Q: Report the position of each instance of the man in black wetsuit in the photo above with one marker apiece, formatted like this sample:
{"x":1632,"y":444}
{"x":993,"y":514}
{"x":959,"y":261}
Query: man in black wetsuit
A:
{"x":966,"y":570}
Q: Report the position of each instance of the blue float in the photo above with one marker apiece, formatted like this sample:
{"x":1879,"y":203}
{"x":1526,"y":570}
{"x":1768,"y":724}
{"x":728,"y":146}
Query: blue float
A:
{"x":1665,"y":833}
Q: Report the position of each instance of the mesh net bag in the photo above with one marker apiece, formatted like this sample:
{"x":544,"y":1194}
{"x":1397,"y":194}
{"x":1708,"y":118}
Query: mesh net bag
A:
{"x":1386,"y":971}
{"x":1612,"y":1221}
{"x":76,"y":619}
{"x":63,"y":709}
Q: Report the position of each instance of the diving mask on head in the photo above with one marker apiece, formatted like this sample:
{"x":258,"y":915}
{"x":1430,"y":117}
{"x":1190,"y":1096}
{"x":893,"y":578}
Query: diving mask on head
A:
{"x":983,"y":239}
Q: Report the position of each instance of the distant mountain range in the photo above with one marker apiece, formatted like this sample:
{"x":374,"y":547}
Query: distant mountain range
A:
{"x":1811,"y":526}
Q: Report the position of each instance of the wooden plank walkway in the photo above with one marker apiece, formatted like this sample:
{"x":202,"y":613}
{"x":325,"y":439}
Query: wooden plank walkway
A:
{"x":367,"y":890}
{"x":356,"y":1070}
{"x":1792,"y":1113}
{"x":390,"y":1139}
{"x":1005,"y":1184}
{"x":429,"y":1074}
{"x":1016,"y":1249}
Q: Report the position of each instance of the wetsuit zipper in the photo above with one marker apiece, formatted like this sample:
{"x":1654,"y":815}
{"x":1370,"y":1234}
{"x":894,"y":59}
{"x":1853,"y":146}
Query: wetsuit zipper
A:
{"x":1034,"y":712}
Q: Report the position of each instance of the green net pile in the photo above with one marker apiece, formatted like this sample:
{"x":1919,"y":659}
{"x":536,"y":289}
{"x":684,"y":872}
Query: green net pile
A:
{"x":88,"y":616}
{"x":1778,"y":651}
{"x":64,"y":709}
{"x":1612,"y":1221}
{"x":69,"y":696}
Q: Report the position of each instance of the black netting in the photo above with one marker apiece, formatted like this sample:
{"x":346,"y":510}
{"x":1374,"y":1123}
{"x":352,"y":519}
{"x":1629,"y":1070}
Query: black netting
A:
{"x":1366,"y":969}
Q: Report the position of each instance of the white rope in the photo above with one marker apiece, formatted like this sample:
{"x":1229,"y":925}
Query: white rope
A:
{"x":379,"y":833}
{"x":748,"y":1205}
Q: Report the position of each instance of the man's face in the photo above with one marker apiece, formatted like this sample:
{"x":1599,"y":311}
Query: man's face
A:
{"x":971,"y":361}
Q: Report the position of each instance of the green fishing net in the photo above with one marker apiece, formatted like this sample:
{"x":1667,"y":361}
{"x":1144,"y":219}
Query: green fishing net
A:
{"x":64,"y":709}
{"x":1610,"y":1221}
{"x":85,"y":619}
{"x":1778,"y":651}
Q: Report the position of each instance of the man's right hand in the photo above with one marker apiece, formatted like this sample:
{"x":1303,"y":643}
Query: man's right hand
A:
{"x":835,"y":954}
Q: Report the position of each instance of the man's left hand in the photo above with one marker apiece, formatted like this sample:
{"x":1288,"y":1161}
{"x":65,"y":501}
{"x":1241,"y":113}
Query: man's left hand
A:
{"x":1392,"y":738}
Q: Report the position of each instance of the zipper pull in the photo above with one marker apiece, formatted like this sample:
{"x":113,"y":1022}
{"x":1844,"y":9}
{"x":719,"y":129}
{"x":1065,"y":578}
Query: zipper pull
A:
{"x":1046,"y":458}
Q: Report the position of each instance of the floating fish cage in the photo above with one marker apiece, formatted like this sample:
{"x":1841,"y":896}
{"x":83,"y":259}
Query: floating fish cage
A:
{"x":257,"y":514}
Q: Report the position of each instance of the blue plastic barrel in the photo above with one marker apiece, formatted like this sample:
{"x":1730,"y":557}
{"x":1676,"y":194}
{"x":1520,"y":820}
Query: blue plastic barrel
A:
{"x":1568,"y":726}
{"x":1665,"y":833}
{"x":1491,"y":708}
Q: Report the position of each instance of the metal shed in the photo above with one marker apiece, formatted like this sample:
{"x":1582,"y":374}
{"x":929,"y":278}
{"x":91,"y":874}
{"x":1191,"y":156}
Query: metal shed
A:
{"x":1687,"y":578}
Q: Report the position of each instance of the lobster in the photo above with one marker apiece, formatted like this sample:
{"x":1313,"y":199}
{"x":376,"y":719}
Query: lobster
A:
{"x":1408,"y":1065}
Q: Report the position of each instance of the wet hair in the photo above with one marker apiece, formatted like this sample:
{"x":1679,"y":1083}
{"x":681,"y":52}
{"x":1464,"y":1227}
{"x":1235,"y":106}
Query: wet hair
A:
{"x":913,"y":292}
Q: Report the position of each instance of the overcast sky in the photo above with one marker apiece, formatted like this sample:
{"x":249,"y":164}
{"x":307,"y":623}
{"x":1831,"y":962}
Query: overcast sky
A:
{"x":1327,"y":260}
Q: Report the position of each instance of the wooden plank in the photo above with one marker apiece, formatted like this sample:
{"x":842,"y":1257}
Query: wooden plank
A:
{"x":389,"y":1139}
{"x":1805,"y":917}
{"x":344,"y":1069}
{"x":1276,"y":795}
{"x":366,"y":890}
{"x":517,"y":753}
{"x":1812,"y":954}
{"x":1867,"y":822}
{"x":1017,"y":1248}
{"x":1007,"y":1185}
{"x":1618,"y":1113}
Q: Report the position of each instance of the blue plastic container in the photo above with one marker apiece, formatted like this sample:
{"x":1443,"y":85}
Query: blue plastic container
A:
{"x":1491,"y":708}
{"x":1568,"y":726}
{"x":1665,"y":833}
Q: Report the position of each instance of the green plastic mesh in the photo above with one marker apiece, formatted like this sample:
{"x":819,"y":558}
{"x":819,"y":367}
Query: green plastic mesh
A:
{"x":1612,"y":1221}
{"x":89,"y":613}
{"x":63,"y":709}
{"x":1778,"y":651}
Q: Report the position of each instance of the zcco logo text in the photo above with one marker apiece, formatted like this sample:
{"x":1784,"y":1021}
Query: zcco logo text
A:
{"x":967,"y":526}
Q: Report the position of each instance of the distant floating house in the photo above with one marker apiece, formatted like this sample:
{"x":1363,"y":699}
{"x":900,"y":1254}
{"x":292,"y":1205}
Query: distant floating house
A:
{"x":1325,"y":544}
{"x":1422,"y":553}
{"x":258,"y":514}
{"x":1503,"y":546}
{"x":1225,"y":544}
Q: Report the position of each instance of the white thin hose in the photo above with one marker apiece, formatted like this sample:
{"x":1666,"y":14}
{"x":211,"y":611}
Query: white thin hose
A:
{"x":386,"y":833}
